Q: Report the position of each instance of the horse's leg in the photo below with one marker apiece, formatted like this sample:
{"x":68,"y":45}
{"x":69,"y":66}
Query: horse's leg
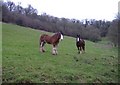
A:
{"x":78,"y":49}
{"x":56,"y":49}
{"x":42,"y":46}
{"x":83,"y":48}
{"x":53,"y":50}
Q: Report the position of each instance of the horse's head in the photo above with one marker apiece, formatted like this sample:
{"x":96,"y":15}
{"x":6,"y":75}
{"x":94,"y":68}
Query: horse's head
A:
{"x":78,"y":38}
{"x":61,"y":35}
{"x":78,"y":35}
{"x":57,"y":36}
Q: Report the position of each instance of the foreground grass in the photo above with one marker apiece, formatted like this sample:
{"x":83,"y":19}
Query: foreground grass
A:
{"x":0,"y":53}
{"x":22,"y":61}
{"x":0,"y":44}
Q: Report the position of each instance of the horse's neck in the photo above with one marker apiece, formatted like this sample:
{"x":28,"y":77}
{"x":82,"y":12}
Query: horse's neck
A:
{"x":55,"y":36}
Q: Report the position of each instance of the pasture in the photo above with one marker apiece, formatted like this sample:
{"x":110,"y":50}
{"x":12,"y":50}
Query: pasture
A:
{"x":23,"y":63}
{"x":0,"y":53}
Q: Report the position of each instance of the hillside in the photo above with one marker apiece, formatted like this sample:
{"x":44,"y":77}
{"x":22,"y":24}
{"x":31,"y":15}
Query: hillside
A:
{"x":22,"y":61}
{"x":0,"y":53}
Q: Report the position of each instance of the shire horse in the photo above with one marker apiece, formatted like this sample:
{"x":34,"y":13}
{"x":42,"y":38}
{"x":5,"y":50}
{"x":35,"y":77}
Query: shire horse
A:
{"x":80,"y":43}
{"x":53,"y":40}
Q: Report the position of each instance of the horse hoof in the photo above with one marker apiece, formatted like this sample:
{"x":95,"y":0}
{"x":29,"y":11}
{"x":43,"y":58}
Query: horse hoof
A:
{"x":43,"y":51}
{"x":53,"y":54}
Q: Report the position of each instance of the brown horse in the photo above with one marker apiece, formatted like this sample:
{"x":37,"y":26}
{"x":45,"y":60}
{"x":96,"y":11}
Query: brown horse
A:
{"x":54,"y":40}
{"x":80,"y":43}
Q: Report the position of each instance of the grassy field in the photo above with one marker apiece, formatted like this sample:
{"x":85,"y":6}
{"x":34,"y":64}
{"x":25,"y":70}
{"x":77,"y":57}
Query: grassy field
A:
{"x":0,"y":53}
{"x":22,"y":61}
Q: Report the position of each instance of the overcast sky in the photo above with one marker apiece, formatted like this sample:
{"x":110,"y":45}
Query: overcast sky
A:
{"x":78,"y":9}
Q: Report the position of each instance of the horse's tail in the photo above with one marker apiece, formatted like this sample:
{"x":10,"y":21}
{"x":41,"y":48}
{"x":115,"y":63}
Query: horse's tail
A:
{"x":42,"y":41}
{"x":41,"y":38}
{"x":83,"y":42}
{"x":84,"y":45}
{"x":39,"y":43}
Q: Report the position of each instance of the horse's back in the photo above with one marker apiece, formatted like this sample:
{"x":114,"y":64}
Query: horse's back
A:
{"x":45,"y":38}
{"x":54,"y":39}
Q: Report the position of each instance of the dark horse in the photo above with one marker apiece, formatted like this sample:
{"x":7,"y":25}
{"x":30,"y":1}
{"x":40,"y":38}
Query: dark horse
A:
{"x":80,"y":43}
{"x":54,"y":40}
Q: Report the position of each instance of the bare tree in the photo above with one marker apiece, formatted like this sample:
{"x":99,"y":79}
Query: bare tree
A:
{"x":113,"y":32}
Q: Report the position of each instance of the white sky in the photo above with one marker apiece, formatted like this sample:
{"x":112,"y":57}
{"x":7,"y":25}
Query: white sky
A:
{"x":77,"y":9}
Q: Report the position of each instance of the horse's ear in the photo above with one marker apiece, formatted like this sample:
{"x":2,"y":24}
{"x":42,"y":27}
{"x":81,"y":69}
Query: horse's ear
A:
{"x":61,"y":32}
{"x":77,"y":35}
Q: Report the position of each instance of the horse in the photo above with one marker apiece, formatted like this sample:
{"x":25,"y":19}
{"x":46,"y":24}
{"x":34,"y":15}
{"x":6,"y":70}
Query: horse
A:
{"x":53,"y":40}
{"x":80,"y":43}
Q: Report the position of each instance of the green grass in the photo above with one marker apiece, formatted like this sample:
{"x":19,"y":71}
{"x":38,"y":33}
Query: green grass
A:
{"x":0,"y":44}
{"x":0,"y":53}
{"x":22,"y":61}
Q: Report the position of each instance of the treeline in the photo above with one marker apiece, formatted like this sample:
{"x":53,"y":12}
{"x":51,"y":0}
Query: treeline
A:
{"x":89,"y":29}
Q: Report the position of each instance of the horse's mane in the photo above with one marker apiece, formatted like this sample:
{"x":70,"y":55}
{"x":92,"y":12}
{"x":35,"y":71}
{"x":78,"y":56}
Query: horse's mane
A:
{"x":56,"y":34}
